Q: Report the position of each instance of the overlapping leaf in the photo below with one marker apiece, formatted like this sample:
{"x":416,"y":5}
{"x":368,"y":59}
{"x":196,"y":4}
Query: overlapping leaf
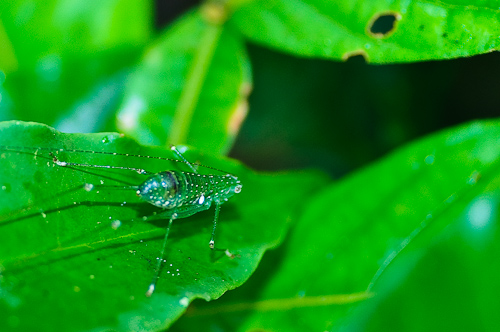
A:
{"x":436,"y":199}
{"x":381,"y":31}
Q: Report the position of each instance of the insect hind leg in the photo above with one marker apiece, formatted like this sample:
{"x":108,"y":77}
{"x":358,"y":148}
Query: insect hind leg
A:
{"x":152,"y":286}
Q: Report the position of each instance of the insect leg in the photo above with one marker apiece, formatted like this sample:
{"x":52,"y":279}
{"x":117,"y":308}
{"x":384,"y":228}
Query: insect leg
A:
{"x":211,"y":244}
{"x":181,"y":157}
{"x":152,"y":286}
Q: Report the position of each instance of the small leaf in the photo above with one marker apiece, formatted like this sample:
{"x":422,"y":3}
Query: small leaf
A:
{"x":198,"y":71}
{"x":65,"y":263}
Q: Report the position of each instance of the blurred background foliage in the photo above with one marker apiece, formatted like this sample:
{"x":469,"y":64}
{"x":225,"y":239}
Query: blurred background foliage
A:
{"x":86,"y":70}
{"x":68,"y":64}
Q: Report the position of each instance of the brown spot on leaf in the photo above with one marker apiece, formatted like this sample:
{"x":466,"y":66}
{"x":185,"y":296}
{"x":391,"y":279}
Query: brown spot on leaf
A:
{"x":356,"y":54}
{"x":240,"y":111}
{"x":383,"y":24}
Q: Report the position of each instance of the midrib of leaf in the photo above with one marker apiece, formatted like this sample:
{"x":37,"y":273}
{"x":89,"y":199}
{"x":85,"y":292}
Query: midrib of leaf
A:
{"x":280,"y":304}
{"x":194,"y":83}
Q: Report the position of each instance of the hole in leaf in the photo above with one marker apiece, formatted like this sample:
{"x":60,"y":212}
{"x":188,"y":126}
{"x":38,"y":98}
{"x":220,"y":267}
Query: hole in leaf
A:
{"x":358,"y":56}
{"x":383,"y":24}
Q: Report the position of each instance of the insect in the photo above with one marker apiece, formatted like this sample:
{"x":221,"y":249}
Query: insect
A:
{"x":180,"y":194}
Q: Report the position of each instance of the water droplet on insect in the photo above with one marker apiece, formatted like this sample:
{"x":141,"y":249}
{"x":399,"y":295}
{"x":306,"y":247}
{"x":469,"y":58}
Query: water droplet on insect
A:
{"x":88,"y":186}
{"x":43,"y":215}
{"x":105,"y":139}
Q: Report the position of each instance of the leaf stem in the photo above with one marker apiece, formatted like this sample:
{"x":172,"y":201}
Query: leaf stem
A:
{"x":281,"y":304}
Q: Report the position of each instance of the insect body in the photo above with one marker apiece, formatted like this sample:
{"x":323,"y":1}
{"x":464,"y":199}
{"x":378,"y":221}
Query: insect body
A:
{"x":180,"y":194}
{"x":188,"y":191}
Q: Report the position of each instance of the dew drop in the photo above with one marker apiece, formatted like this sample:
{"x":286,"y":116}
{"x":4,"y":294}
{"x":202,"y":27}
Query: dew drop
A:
{"x":88,"y":186}
{"x":480,"y":213}
{"x":115,"y":224}
{"x":184,"y":302}
{"x":429,"y":159}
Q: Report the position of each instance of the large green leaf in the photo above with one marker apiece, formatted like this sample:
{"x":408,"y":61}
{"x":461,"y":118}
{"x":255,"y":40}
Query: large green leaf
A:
{"x":190,"y":87}
{"x":453,"y":283}
{"x":65,"y":50}
{"x":382,"y":31}
{"x":63,"y":264}
{"x":437,"y":198}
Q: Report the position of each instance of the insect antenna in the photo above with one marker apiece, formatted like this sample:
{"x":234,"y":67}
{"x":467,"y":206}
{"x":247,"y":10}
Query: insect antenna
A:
{"x":140,"y":171}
